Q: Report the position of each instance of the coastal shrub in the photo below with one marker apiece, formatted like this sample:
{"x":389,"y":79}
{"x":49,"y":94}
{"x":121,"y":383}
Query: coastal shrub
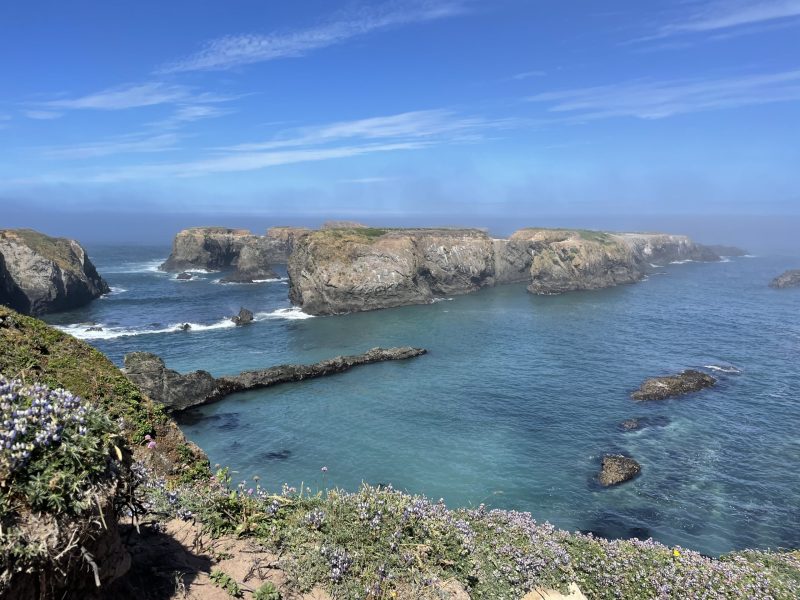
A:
{"x":378,"y":542}
{"x":61,"y":465}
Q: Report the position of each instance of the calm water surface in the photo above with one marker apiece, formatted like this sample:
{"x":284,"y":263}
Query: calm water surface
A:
{"x":516,"y":402}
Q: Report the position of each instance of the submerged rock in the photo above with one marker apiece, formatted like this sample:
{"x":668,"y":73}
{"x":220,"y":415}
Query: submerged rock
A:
{"x":183,"y":276}
{"x":616,"y":469}
{"x":185,"y":327}
{"x":244,"y":317}
{"x":659,"y":388}
{"x":637,"y":423}
{"x":178,"y":392}
{"x":41,"y":274}
{"x":786,"y":280}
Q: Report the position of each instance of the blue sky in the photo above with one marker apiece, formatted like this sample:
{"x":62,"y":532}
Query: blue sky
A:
{"x":445,"y":108}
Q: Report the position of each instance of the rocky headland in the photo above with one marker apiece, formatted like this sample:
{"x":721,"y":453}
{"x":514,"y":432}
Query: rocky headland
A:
{"x":341,"y":270}
{"x":178,"y":392}
{"x":786,"y":280}
{"x":41,"y":274}
{"x":247,"y":255}
{"x":661,"y":388}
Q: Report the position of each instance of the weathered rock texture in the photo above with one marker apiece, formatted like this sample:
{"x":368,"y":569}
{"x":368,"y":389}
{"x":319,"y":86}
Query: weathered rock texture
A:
{"x":41,"y":274}
{"x":660,"y":388}
{"x":347,"y":270}
{"x":787,"y":279}
{"x":178,"y":392}
{"x":220,"y":248}
{"x":617,"y":469}
{"x":355,"y":269}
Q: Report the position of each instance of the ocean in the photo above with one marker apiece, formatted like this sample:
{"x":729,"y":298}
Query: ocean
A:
{"x":516,"y":402}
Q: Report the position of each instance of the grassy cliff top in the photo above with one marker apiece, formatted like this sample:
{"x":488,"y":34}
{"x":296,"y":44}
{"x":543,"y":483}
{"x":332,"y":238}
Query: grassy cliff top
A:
{"x":52,"y":248}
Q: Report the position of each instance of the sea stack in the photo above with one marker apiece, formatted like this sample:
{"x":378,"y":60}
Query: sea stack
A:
{"x":42,"y":274}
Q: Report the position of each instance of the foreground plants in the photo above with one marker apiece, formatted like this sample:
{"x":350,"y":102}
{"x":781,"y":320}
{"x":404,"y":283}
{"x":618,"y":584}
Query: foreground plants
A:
{"x":381,"y":543}
{"x":60,"y":461}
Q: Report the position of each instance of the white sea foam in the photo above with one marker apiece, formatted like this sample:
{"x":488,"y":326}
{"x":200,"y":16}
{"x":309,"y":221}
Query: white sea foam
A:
{"x":292,"y":314}
{"x":655,"y":266}
{"x":270,"y":280}
{"x":435,"y":300}
{"x":723,"y":368}
{"x":85,"y":331}
{"x":681,"y":262}
{"x":149,"y":266}
{"x":113,"y":291}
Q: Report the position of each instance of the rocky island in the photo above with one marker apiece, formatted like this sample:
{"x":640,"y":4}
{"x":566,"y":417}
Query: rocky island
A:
{"x":341,"y":270}
{"x":786,"y":280}
{"x":41,"y":274}
{"x":661,"y":388}
{"x":249,"y":256}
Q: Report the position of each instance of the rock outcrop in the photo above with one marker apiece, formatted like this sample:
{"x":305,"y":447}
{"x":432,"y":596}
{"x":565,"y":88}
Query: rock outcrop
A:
{"x":786,"y":280}
{"x":41,"y":274}
{"x":249,"y":256}
{"x":726,"y":250}
{"x":348,"y":270}
{"x":616,"y":469}
{"x":637,"y":423}
{"x":660,"y":388}
{"x":175,"y":391}
{"x":355,"y":269}
{"x":244,"y":317}
{"x":178,"y":392}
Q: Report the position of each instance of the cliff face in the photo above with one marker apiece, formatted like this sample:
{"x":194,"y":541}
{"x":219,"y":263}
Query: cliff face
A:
{"x":40,"y":274}
{"x":566,"y":261}
{"x":218,"y":248}
{"x":348,"y":270}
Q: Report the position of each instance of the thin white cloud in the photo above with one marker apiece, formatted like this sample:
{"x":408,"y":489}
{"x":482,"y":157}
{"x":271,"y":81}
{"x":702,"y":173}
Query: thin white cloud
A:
{"x":660,"y":99}
{"x":403,"y":126}
{"x":237,"y":50}
{"x":122,"y":145}
{"x":188,"y":113}
{"x":126,"y":96}
{"x":528,"y":75}
{"x":42,"y":114}
{"x":246,"y":162}
{"x":718,"y":15}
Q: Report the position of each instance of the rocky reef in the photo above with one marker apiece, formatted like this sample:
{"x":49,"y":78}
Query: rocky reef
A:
{"x":178,"y":392}
{"x":786,"y":280}
{"x":41,"y":274}
{"x":616,"y":469}
{"x":250,"y":256}
{"x":350,"y":269}
{"x":660,"y":388}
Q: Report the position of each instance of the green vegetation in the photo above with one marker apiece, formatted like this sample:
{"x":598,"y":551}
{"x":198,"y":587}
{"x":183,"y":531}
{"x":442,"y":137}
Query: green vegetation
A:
{"x":226,"y":582}
{"x":268,"y":591}
{"x":381,"y":543}
{"x":53,"y":249}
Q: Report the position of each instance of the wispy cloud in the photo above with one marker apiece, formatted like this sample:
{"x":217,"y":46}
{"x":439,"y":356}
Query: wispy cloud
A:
{"x":718,"y":15}
{"x":42,"y":114}
{"x":126,"y":96}
{"x":660,"y":99}
{"x":237,"y":50}
{"x":131,"y":144}
{"x":403,"y":126}
{"x":402,"y":132}
{"x":528,"y":74}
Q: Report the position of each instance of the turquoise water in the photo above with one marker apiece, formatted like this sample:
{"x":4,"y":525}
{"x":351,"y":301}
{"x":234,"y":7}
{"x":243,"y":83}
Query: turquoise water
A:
{"x":515,"y":403}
